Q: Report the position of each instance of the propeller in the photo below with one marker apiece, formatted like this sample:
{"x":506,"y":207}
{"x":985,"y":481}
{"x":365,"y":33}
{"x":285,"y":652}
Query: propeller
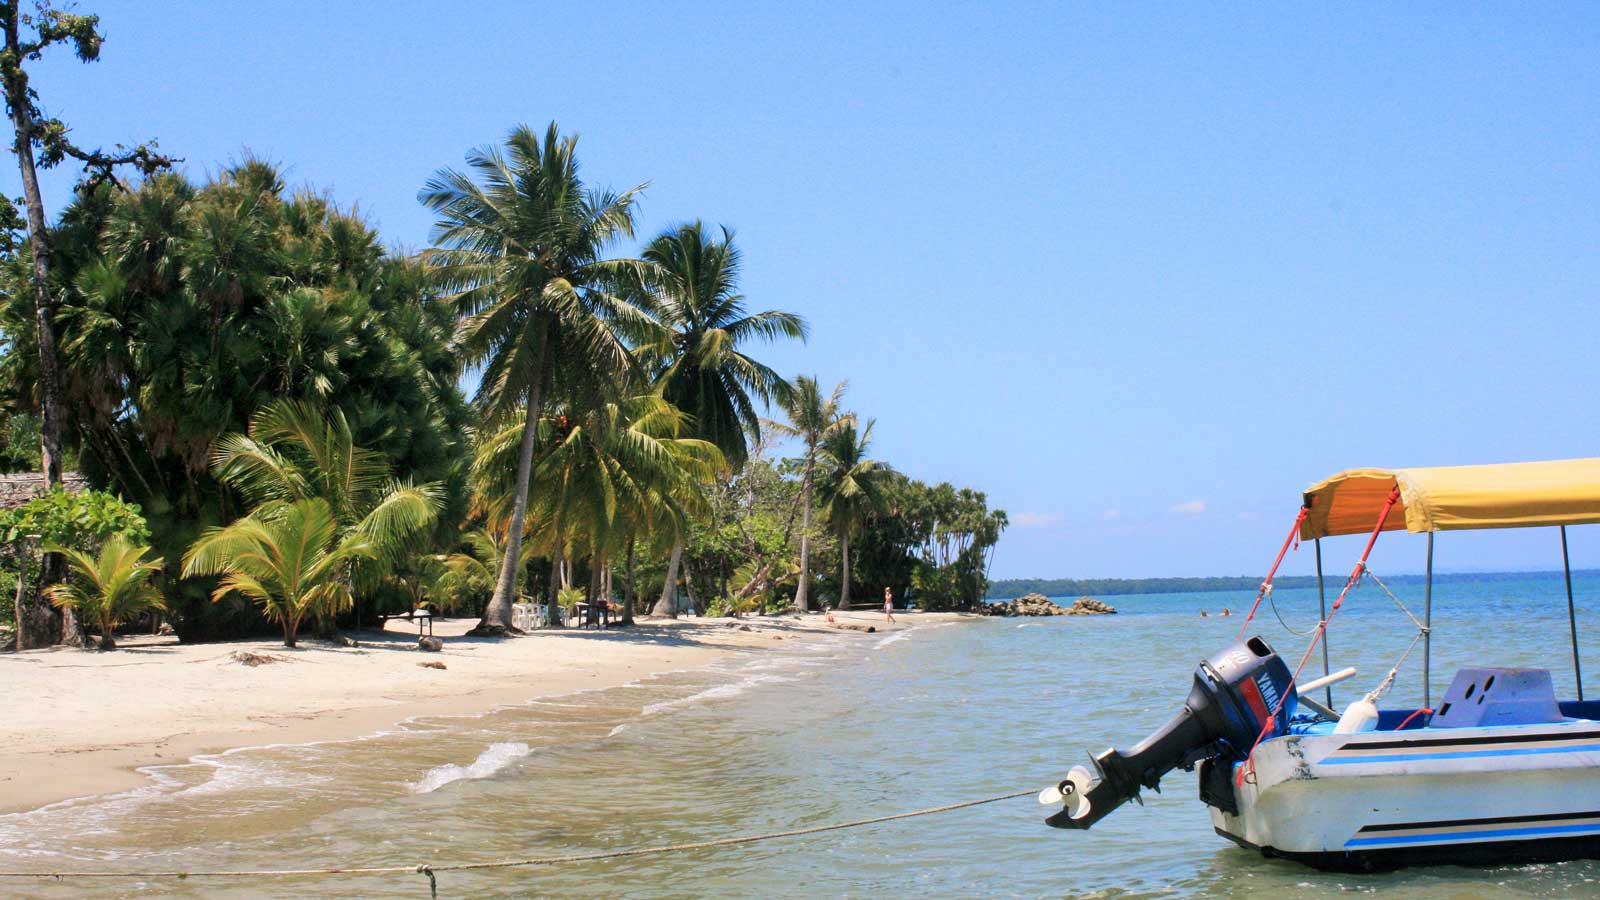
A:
{"x":1072,"y":791}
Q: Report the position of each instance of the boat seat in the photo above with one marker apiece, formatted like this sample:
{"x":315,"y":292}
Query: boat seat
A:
{"x":1479,"y":697}
{"x":1581,"y":709}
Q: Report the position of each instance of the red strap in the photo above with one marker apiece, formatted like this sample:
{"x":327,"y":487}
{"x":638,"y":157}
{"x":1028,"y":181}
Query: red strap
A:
{"x":1266,"y":584}
{"x":1322,"y":628}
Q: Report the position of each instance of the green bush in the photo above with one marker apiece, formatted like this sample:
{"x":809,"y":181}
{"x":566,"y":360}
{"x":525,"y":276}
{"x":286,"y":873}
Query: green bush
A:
{"x":78,"y":520}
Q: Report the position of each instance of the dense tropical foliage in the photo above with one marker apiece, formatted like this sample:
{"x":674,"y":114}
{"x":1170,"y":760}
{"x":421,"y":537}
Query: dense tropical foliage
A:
{"x":319,"y":428}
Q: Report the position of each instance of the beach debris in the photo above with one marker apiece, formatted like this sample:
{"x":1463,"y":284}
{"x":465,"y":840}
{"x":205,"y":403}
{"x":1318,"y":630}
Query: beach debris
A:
{"x":429,"y":644}
{"x":432,"y":664}
{"x":777,"y":637}
{"x":1040,"y":605}
{"x":852,"y":626}
{"x":247,"y":658}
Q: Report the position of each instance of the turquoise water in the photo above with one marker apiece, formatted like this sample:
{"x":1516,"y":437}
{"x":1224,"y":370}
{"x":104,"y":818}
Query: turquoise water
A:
{"x":839,"y":728}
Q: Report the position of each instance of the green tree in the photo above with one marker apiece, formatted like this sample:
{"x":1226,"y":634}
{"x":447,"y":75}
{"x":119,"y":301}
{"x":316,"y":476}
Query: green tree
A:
{"x":79,"y":520}
{"x":852,"y":487}
{"x":702,"y":366}
{"x":288,"y":557}
{"x":185,"y":308}
{"x":301,"y":451}
{"x":108,"y":588}
{"x":602,"y":478}
{"x":522,"y":252}
{"x":27,"y":36}
{"x":814,"y":420}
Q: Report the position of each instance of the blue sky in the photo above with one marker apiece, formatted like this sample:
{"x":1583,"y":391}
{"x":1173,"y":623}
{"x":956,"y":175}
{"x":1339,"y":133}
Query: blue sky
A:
{"x":1139,"y":272}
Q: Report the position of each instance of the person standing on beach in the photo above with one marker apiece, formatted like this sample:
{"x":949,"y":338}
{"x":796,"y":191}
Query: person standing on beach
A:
{"x":888,"y":604}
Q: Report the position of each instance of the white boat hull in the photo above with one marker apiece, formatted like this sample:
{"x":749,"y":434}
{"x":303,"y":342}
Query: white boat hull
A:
{"x":1384,"y":799}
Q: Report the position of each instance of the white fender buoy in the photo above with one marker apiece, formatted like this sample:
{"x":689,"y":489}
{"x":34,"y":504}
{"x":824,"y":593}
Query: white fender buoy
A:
{"x":1359,"y":716}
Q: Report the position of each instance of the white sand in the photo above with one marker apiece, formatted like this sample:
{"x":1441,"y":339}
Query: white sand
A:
{"x":77,"y":722}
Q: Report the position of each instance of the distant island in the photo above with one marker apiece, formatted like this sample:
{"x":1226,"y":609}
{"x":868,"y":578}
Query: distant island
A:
{"x":1007,"y":588}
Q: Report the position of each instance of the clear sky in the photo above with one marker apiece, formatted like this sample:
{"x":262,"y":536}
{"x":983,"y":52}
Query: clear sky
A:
{"x":1139,"y":272}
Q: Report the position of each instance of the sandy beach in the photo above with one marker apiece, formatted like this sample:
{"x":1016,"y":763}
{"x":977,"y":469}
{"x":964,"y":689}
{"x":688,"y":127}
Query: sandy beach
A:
{"x":80,"y":723}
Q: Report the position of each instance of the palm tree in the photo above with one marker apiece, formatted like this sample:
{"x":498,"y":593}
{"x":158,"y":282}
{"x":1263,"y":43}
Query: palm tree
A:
{"x":701,"y":367}
{"x":522,"y":253}
{"x":813,"y":420}
{"x":602,"y":477}
{"x":299,"y":451}
{"x":853,"y":486}
{"x":289,"y":557}
{"x":110,"y":587}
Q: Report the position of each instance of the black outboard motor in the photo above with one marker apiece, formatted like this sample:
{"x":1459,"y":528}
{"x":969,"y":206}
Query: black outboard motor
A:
{"x":1234,"y":695}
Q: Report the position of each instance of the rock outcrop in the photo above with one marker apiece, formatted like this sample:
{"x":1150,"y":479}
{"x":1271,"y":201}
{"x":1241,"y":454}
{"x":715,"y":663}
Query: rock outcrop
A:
{"x":1040,"y":605}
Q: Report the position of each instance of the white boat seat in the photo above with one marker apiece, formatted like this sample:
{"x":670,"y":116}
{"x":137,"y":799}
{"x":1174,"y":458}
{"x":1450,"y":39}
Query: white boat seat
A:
{"x":1480,"y":697}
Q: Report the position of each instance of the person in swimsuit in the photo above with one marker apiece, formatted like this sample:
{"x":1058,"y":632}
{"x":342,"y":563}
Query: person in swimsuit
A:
{"x":888,"y":604}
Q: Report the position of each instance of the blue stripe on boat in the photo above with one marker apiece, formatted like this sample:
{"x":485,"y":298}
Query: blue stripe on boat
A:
{"x":1472,"y":835}
{"x":1456,"y":754}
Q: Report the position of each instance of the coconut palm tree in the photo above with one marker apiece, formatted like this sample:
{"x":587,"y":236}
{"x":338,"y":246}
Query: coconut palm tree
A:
{"x":813,"y":419}
{"x":522,"y":253}
{"x":852,"y":487}
{"x":108,"y":588}
{"x":288,"y":556}
{"x":701,"y":366}
{"x":299,"y":451}
{"x":602,"y":477}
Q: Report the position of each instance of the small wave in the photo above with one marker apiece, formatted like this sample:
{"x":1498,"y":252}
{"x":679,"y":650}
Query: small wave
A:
{"x":721,"y":690}
{"x":490,"y":761}
{"x":618,"y":730}
{"x":897,"y":636}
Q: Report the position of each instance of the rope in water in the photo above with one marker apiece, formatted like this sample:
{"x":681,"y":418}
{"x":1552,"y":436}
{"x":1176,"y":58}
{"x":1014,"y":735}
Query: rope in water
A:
{"x":431,"y":870}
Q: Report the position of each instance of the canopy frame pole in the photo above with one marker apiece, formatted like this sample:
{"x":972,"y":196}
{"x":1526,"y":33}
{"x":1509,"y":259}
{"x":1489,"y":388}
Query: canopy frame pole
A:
{"x":1322,"y":607}
{"x":1427,"y":629}
{"x":1572,"y":614}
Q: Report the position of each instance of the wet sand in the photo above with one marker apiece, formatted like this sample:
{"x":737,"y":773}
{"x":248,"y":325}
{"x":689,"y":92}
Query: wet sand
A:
{"x":78,"y":723}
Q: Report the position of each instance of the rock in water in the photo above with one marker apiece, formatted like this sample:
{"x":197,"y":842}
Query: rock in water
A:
{"x":1089,"y":606}
{"x":1040,"y":605}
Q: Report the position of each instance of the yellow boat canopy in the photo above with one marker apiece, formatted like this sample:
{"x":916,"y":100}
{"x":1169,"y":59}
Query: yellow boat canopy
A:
{"x":1451,"y":498}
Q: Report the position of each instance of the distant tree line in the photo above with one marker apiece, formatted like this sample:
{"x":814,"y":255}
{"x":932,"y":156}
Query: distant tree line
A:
{"x":1008,"y":588}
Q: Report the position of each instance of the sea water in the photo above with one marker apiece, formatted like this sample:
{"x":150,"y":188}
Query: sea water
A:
{"x":825,"y":729}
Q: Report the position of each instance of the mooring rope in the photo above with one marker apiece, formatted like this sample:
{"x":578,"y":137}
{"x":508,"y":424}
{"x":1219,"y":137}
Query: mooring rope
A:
{"x":431,"y":871}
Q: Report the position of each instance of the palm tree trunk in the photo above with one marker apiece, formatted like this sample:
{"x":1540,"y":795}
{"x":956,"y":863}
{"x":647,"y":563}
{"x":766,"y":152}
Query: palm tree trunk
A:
{"x":668,"y":604}
{"x":801,"y":597}
{"x":688,"y":585}
{"x":497,"y":617}
{"x":844,"y":577}
{"x":557,"y":581}
{"x":629,"y":593}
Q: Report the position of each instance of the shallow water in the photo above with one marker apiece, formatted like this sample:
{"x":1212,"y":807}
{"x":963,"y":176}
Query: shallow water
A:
{"x":845,"y":727}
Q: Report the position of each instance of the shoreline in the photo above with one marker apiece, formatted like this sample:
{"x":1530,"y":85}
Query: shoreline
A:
{"x":76,"y":725}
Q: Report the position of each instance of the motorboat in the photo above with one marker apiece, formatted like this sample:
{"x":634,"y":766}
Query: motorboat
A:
{"x":1498,"y":770}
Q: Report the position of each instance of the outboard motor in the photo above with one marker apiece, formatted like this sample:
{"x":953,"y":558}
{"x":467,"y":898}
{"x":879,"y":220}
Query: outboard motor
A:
{"x":1234,"y":695}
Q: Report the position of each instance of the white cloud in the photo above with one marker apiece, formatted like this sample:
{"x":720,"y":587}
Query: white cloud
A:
{"x":1034,"y":519}
{"x":1112,"y":513}
{"x":1192,"y":508}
